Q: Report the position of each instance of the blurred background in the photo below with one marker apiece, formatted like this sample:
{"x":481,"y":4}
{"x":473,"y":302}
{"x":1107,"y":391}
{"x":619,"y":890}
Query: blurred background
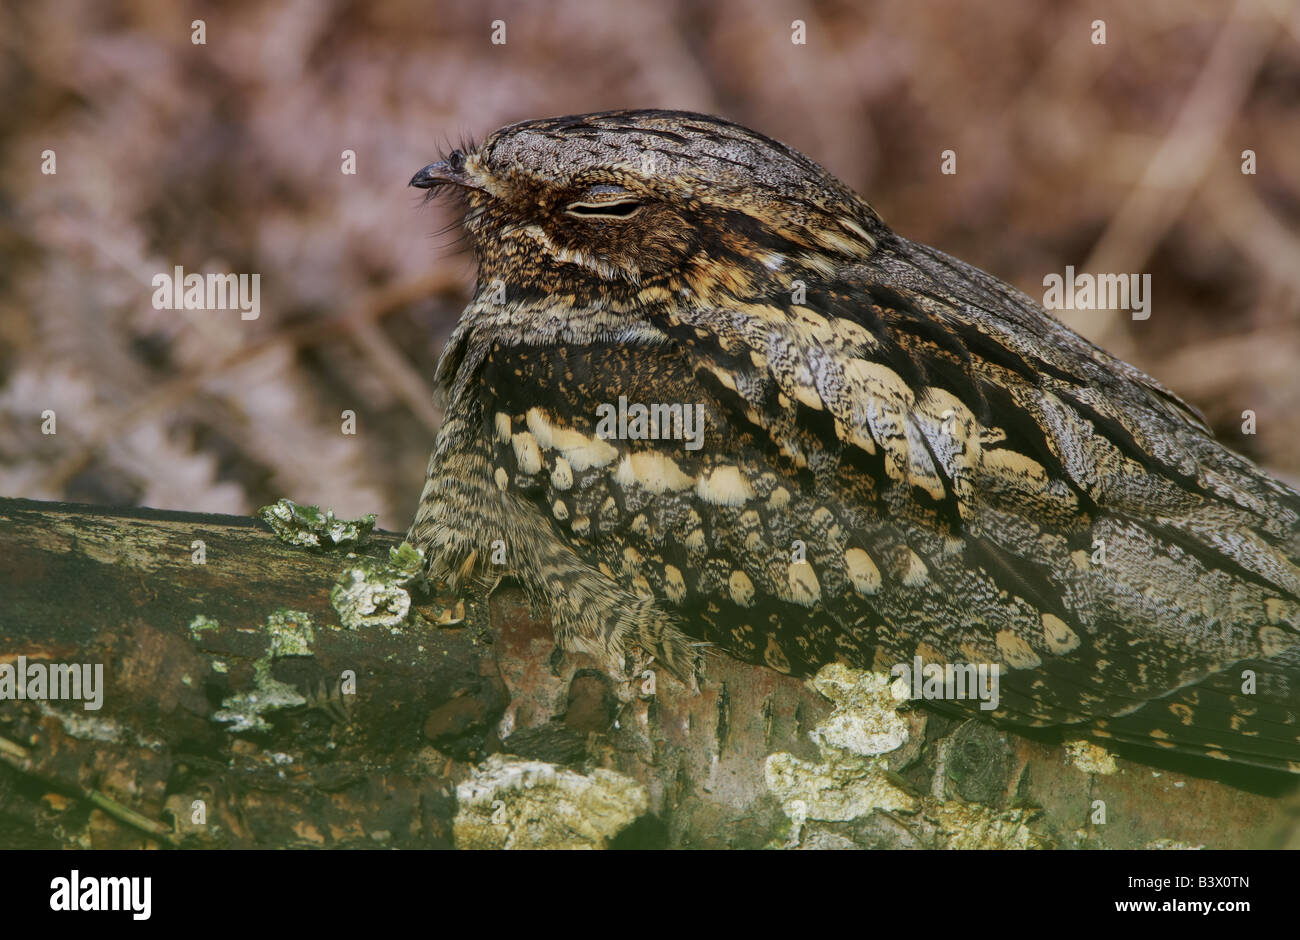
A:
{"x":226,"y":156}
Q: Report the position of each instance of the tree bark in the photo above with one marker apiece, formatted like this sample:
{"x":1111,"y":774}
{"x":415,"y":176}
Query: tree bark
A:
{"x":241,"y":708}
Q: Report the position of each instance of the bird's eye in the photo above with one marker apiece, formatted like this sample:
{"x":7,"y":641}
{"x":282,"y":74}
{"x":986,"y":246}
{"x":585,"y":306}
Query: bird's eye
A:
{"x":456,"y":161}
{"x":605,"y":202}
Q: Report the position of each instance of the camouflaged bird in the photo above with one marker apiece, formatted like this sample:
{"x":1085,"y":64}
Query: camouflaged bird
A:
{"x":902,"y":455}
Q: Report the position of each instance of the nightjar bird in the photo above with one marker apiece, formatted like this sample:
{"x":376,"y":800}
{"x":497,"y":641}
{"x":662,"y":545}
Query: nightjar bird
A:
{"x":899,"y":455}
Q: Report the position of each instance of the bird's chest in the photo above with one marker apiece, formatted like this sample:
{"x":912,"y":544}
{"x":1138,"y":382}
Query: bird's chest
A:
{"x":650,"y":475}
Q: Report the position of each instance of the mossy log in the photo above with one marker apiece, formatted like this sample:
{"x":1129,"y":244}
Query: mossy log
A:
{"x":242,"y":707}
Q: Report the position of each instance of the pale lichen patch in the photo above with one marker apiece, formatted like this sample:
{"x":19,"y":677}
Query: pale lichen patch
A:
{"x":1090,"y":757}
{"x":371,"y":592}
{"x":853,"y":780}
{"x":508,"y":803}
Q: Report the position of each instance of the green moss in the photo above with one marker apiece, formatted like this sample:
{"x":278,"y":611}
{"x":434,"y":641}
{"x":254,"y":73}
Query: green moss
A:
{"x":202,"y":624}
{"x":1090,"y":757}
{"x":310,"y":527}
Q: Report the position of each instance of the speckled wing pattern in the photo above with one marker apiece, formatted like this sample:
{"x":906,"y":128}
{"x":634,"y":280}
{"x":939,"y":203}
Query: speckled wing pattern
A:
{"x":949,"y":484}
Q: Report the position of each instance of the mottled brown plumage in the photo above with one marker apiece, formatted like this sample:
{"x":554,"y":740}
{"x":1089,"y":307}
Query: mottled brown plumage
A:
{"x":902,"y":455}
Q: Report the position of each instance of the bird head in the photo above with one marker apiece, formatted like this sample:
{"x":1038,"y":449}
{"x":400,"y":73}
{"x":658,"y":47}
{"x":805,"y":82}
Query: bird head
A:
{"x":605,"y":206}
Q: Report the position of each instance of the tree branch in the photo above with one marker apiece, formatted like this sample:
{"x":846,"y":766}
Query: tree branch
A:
{"x":242,"y":708}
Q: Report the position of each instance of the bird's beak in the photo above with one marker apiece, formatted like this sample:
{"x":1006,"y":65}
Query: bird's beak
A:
{"x":441,"y":174}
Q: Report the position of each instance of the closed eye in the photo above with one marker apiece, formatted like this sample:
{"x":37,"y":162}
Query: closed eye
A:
{"x":619,"y":209}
